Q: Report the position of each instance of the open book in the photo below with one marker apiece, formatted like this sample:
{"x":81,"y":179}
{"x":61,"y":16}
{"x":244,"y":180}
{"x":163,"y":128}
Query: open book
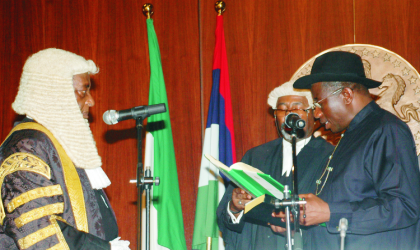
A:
{"x":262,"y":187}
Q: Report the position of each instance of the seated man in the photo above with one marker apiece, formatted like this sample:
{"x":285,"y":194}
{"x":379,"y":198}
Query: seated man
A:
{"x":51,"y":177}
{"x":274,"y":158}
{"x":373,"y":177}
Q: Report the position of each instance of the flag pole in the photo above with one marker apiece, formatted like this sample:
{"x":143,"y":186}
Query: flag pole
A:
{"x":148,"y":12}
{"x":208,"y":246}
{"x":220,"y":7}
{"x":166,"y":210}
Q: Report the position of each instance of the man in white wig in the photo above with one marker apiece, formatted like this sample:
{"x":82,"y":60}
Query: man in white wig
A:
{"x":50,"y":175}
{"x":250,"y":231}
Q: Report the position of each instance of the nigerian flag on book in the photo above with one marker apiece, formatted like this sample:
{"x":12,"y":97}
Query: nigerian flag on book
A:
{"x":167,"y":227}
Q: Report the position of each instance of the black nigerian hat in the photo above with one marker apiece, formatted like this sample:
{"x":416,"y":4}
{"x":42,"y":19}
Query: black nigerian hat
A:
{"x":335,"y":66}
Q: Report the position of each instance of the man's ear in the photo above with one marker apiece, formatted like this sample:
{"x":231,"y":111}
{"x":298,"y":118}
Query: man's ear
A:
{"x":347,"y":95}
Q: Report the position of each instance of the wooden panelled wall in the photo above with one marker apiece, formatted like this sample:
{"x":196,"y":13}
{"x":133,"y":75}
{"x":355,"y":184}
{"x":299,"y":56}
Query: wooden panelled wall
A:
{"x":266,"y":43}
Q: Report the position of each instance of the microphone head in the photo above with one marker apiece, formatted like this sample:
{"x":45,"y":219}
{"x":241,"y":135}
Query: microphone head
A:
{"x":294,"y":121}
{"x":156,"y":109}
{"x":110,"y":117}
{"x":300,"y":124}
{"x":343,"y":224}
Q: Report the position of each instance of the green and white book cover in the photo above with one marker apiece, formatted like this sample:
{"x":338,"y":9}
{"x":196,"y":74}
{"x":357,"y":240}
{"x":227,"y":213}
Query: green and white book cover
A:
{"x":250,"y":179}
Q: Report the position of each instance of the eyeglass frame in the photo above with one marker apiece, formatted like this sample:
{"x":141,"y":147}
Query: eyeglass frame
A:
{"x":291,"y":110}
{"x":318,"y":105}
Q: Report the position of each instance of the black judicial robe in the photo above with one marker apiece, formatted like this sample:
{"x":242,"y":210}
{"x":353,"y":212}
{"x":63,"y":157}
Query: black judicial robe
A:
{"x":248,"y":235}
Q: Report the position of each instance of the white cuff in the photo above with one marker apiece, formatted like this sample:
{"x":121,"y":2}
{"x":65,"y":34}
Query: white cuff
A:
{"x":234,"y":219}
{"x":118,"y":244}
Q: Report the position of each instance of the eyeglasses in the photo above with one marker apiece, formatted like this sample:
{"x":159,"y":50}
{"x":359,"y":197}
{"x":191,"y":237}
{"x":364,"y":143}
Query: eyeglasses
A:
{"x":283,"y":112}
{"x":318,"y":105}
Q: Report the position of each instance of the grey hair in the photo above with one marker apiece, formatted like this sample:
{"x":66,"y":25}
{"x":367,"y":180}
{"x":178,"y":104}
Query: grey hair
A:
{"x":332,"y":86}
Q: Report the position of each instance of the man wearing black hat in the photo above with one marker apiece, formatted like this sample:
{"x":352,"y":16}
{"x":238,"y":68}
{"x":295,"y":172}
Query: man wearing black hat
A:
{"x":250,"y":231}
{"x":372,"y":178}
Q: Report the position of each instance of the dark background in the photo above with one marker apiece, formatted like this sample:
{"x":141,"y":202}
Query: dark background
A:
{"x":267,"y":41}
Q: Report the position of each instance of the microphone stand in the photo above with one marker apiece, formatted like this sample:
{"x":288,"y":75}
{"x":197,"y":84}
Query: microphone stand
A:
{"x":144,"y":179}
{"x":298,"y":244}
{"x":144,"y":182}
{"x":292,"y":203}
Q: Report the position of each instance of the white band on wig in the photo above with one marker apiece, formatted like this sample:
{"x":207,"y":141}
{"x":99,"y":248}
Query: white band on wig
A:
{"x":46,"y":94}
{"x":287,"y":89}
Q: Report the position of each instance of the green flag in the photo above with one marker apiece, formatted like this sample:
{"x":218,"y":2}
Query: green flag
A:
{"x":166,"y":199}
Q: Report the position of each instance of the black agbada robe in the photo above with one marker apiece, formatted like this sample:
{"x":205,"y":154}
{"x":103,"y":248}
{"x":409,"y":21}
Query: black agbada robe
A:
{"x":249,"y":235}
{"x":375,"y":184}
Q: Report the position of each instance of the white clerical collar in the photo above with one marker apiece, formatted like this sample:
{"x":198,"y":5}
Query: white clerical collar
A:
{"x":97,"y":177}
{"x":287,"y":154}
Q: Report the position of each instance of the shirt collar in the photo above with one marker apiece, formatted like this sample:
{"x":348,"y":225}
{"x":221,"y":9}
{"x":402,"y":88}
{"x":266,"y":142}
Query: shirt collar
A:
{"x":368,"y":109}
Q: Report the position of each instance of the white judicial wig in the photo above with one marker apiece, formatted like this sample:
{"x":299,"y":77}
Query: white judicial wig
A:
{"x":287,"y":89}
{"x":46,"y":94}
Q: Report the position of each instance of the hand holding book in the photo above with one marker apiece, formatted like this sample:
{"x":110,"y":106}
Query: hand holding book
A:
{"x":239,"y":199}
{"x":262,"y":188}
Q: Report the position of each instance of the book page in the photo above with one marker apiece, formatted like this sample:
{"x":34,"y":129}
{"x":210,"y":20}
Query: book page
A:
{"x":247,"y":178}
{"x":265,"y":184}
{"x":245,"y":167}
{"x":253,"y":203}
{"x":238,"y":165}
{"x":217,"y":163}
{"x":225,"y":170}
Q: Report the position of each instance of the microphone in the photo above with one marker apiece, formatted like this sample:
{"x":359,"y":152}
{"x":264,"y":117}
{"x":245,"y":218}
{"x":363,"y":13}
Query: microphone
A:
{"x":343,"y":226}
{"x":112,"y":117}
{"x":294,"y":121}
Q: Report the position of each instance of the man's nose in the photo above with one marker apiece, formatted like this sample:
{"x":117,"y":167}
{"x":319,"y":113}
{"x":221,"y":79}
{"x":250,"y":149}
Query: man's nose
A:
{"x":318,"y":113}
{"x":90,"y":101}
